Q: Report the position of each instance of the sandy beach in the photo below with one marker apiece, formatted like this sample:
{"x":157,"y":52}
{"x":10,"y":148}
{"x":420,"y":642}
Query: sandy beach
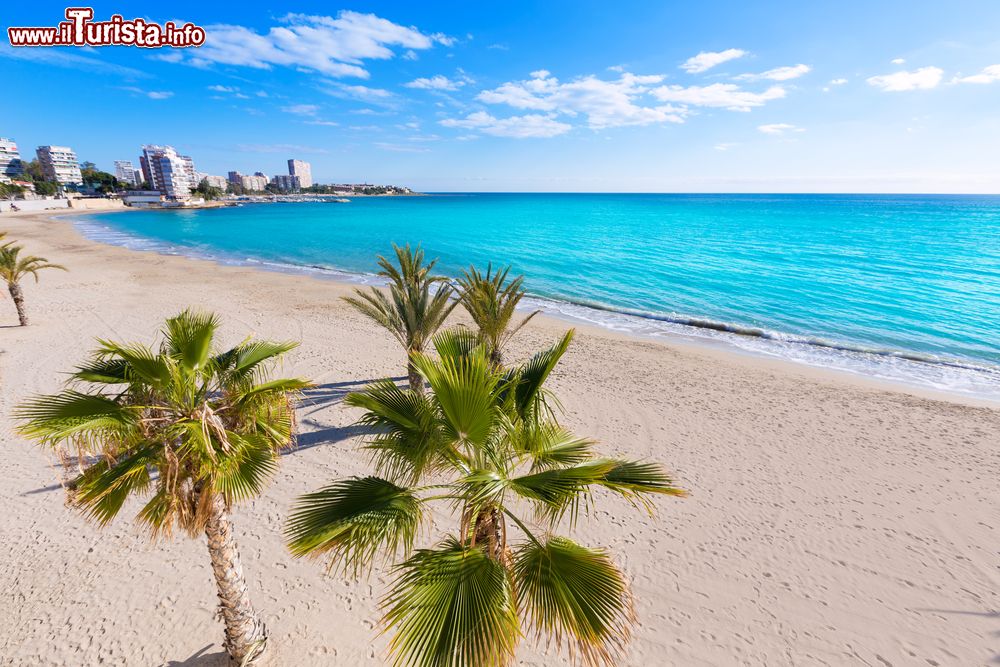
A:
{"x":831,"y":520}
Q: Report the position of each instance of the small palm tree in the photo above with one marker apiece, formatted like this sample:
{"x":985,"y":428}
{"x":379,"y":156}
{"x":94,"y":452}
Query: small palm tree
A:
{"x":13,"y":268}
{"x":193,"y":430}
{"x":485,"y":440}
{"x":491,"y":301}
{"x":410,"y":312}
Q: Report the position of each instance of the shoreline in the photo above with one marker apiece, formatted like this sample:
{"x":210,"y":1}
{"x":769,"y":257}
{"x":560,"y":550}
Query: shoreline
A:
{"x":829,"y":520}
{"x":840,"y":359}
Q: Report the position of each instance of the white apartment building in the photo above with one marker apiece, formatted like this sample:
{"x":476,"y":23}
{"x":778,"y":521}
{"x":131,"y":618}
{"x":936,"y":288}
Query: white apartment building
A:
{"x":213,"y":181}
{"x":172,"y":174}
{"x":126,"y":173}
{"x":60,"y":164}
{"x":10,"y":158}
{"x":303,"y":170}
{"x":253,"y":183}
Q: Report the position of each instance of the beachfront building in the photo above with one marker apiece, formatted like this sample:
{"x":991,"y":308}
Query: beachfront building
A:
{"x":303,"y":170}
{"x":212,"y":181}
{"x":171,"y":174}
{"x":11,"y":165}
{"x":59,"y":164}
{"x":286,"y":183}
{"x":255,"y":183}
{"x":126,"y":172}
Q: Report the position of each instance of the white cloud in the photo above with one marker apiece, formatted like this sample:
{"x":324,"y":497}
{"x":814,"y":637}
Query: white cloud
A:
{"x":398,"y":148}
{"x":64,"y":58}
{"x":326,"y":123}
{"x":779,"y":73}
{"x":518,"y":127}
{"x":706,"y":60}
{"x":333,"y":46}
{"x":724,"y":146}
{"x":779,"y":128}
{"x":924,"y":78}
{"x":838,"y":82}
{"x":720,"y":95}
{"x":223,"y":89}
{"x":279,"y":148}
{"x":151,"y":94}
{"x":365,"y":94}
{"x":437,"y":82}
{"x":603,"y":103}
{"x":301,"y":109}
{"x":988,"y":75}
{"x":898,"y":61}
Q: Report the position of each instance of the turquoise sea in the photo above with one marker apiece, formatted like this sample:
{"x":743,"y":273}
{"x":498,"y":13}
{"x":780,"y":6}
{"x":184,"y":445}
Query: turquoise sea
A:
{"x":902,"y":287}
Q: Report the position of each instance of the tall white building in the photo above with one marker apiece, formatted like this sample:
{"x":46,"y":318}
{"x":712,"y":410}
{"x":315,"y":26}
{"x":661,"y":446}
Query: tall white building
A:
{"x":59,"y":163}
{"x":126,"y":172}
{"x":172,"y":174}
{"x":10,"y":158}
{"x":303,"y":170}
{"x":254,"y":183}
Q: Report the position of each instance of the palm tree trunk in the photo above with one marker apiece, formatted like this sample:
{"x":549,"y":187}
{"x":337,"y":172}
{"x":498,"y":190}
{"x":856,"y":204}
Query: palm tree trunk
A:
{"x":246,"y":636}
{"x":491,"y":534}
{"x":18,"y":296}
{"x":416,"y":379}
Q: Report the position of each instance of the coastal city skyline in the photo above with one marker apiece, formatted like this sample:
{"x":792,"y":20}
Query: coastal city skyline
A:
{"x":158,"y":167}
{"x":793,"y":99}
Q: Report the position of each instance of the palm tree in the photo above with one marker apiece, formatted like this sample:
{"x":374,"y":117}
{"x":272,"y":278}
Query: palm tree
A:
{"x":13,"y":268}
{"x":484,"y":440}
{"x":410,"y":312}
{"x":491,"y":304}
{"x":192,"y":430}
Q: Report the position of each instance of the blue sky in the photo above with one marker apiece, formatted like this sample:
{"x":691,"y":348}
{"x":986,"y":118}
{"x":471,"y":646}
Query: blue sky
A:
{"x":551,"y":96}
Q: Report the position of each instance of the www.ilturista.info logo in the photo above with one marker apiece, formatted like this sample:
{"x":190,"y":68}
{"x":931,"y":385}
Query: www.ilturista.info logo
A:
{"x":80,"y":30}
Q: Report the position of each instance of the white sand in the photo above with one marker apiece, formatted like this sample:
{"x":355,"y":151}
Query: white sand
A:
{"x":831,"y":520}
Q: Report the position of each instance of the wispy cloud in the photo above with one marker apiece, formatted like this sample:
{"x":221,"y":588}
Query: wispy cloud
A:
{"x":378,"y":96}
{"x":706,"y":60}
{"x":720,"y":95}
{"x":518,"y":127}
{"x":779,"y":128}
{"x":400,"y":148}
{"x":325,"y":123}
{"x":989,"y":74}
{"x":437,"y":82}
{"x":779,"y":73}
{"x":60,"y":57}
{"x":301,"y":109}
{"x":335,"y":47}
{"x":151,"y":94}
{"x":603,"y":103}
{"x":924,"y":78}
{"x":279,"y":148}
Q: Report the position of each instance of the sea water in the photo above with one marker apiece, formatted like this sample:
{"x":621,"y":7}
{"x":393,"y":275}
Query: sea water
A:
{"x":903,"y":287}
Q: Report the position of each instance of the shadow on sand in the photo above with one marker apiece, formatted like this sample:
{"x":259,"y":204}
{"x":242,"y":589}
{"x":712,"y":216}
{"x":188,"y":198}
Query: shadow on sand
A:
{"x":203,"y":659}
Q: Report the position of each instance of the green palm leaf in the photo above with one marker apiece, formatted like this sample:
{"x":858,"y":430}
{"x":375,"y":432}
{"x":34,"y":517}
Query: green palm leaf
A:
{"x":530,"y":398}
{"x":575,"y":595}
{"x":452,"y":607}
{"x":354,"y":518}
{"x":636,"y":480}
{"x":75,"y":415}
{"x":464,"y":392}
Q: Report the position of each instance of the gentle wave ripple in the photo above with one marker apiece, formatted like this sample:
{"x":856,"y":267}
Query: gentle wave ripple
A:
{"x":897,"y":287}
